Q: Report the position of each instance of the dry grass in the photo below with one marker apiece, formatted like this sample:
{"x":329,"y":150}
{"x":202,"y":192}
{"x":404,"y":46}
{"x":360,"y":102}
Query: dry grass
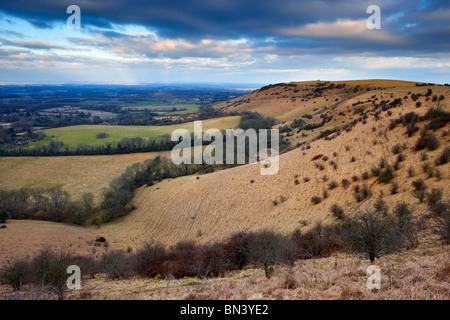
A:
{"x":277,"y":102}
{"x":25,"y":238}
{"x":416,"y":274}
{"x":75,"y":174}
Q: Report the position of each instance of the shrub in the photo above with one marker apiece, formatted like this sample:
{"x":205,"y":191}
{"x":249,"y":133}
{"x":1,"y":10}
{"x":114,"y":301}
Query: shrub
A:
{"x":419,"y":189}
{"x":353,"y":159}
{"x":337,"y":211}
{"x":433,"y":197}
{"x":102,"y":135}
{"x":318,"y":242}
{"x":442,"y":226}
{"x":401,"y":157}
{"x":332,"y":185}
{"x":392,"y":125}
{"x":430,"y":172}
{"x":15,"y":274}
{"x":268,"y":248}
{"x":184,"y":245}
{"x":402,"y":210}
{"x":411,"y":129}
{"x":325,"y":193}
{"x":423,"y":156}
{"x":306,"y":179}
{"x":334,"y":164}
{"x":316,"y":200}
{"x":409,"y":118}
{"x":375,"y":171}
{"x":443,"y":157}
{"x":396,"y":165}
{"x":115,"y":264}
{"x":49,"y":269}
{"x":394,"y":187}
{"x":386,"y":174}
{"x":380,"y":206}
{"x":426,"y":166}
{"x":237,"y":248}
{"x":372,"y":234}
{"x":427,"y":140}
{"x":365,"y":175}
{"x":145,"y":258}
{"x":210,"y":260}
{"x":361,"y":192}
{"x":437,"y":174}
{"x":410,"y":171}
{"x":345,"y":183}
{"x":3,"y":216}
{"x":406,"y":228}
{"x":397,"y":148}
{"x":365,"y":191}
{"x":355,"y":178}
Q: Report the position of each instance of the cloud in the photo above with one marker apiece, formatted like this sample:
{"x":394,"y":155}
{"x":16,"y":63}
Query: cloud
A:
{"x":151,"y":45}
{"x":355,"y":30}
{"x":413,"y":25}
{"x":13,"y":33}
{"x":32,"y":44}
{"x":222,"y":38}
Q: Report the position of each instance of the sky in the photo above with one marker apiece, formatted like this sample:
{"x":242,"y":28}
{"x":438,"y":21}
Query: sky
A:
{"x":223,"y":41}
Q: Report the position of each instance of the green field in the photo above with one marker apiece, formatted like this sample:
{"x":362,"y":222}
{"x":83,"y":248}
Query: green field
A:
{"x":167,"y":108}
{"x":101,"y":114}
{"x":87,"y":134}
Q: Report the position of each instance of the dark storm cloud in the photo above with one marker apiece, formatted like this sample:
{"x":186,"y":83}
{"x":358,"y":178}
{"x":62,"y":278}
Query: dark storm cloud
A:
{"x":407,"y":25}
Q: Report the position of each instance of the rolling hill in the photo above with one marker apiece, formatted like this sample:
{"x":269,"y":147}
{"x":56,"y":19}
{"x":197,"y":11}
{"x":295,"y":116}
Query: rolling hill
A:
{"x":218,"y":204}
{"x":213,"y":206}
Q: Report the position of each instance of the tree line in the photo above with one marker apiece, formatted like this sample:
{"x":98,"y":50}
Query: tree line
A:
{"x":52,"y":204}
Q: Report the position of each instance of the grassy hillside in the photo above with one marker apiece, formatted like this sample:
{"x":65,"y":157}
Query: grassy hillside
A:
{"x":288,"y":101}
{"x":87,"y":134}
{"x":215,"y":205}
{"x":218,"y":204}
{"x":24,"y":237}
{"x":75,"y":174}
